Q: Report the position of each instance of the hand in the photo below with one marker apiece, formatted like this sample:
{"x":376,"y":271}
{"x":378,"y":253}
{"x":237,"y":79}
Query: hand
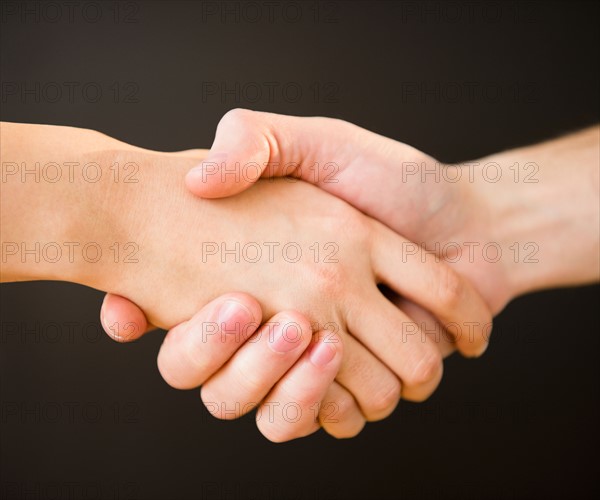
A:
{"x":283,"y":380}
{"x":338,"y":412}
{"x":386,"y":179}
{"x":65,"y":216}
{"x":443,"y":213}
{"x":377,"y":391}
{"x":508,"y":231}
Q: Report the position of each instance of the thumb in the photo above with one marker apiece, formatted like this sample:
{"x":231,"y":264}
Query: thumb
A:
{"x":122,"y":320}
{"x":249,"y":145}
{"x":237,"y":158}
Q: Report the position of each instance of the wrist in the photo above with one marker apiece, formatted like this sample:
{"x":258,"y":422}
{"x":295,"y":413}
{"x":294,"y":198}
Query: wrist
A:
{"x":515,"y":219}
{"x":142,"y":188}
{"x":547,"y":217}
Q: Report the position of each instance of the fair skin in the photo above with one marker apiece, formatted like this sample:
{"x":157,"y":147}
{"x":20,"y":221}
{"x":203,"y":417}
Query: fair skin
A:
{"x":542,"y":211}
{"x":329,"y":338}
{"x":371,"y":178}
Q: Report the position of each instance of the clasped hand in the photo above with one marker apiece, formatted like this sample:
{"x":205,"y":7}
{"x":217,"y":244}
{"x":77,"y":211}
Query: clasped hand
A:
{"x":283,"y":297}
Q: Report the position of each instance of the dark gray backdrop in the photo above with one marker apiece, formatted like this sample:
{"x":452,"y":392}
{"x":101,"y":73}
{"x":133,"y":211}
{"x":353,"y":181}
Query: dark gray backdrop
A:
{"x":84,"y":417}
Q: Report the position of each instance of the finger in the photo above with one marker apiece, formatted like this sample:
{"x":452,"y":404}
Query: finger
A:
{"x":424,"y":279}
{"x":122,"y":320}
{"x":195,"y":349}
{"x":257,"y":366}
{"x":398,"y":342}
{"x":428,"y":324}
{"x":373,"y":386}
{"x":250,"y":144}
{"x":426,"y":321}
{"x":291,"y":409}
{"x":339,"y":413}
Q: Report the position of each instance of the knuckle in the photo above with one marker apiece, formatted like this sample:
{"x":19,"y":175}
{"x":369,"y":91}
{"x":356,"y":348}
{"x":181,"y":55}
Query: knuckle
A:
{"x":301,"y":396}
{"x":276,"y":433}
{"x":335,"y":271}
{"x":222,"y":407}
{"x":344,"y":128}
{"x":213,"y":401}
{"x":450,"y":289}
{"x":305,"y":401}
{"x":355,"y":224}
{"x":238,"y":117}
{"x":384,"y":401}
{"x":197,"y":362}
{"x":278,"y":429}
{"x":344,"y":407}
{"x":427,"y":370}
{"x":329,"y":280}
{"x":248,"y":380}
{"x":171,"y":379}
{"x":297,"y":323}
{"x":168,"y":364}
{"x":346,"y":431}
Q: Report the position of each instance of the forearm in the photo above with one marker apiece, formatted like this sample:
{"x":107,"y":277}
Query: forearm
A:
{"x":555,"y":212}
{"x":60,"y":202}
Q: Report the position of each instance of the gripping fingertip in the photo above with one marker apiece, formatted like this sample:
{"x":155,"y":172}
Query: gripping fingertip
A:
{"x":122,"y":320}
{"x":204,"y":182}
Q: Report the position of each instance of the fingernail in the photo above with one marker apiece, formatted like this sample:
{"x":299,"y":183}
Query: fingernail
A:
{"x":111,"y":330}
{"x":321,"y":353}
{"x":233,"y":316}
{"x":285,"y":337}
{"x":103,"y":317}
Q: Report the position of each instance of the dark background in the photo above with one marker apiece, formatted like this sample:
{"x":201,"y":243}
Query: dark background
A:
{"x":84,"y":417}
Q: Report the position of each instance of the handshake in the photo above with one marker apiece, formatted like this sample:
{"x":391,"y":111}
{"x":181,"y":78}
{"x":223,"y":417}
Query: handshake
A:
{"x":306,"y":268}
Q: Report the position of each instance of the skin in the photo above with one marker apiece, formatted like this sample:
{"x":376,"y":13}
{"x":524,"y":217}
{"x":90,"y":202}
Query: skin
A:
{"x":386,"y":179}
{"x":537,"y":201}
{"x":349,"y":349}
